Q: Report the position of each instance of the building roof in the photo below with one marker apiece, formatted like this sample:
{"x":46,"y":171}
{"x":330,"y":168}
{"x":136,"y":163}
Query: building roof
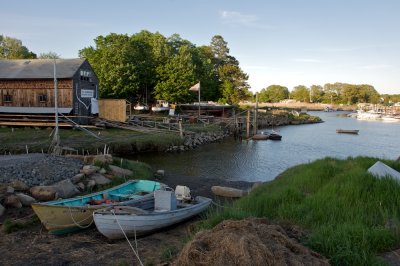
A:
{"x":39,"y":68}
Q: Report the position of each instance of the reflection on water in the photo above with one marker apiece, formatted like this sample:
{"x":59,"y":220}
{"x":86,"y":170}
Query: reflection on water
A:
{"x":264,"y":160}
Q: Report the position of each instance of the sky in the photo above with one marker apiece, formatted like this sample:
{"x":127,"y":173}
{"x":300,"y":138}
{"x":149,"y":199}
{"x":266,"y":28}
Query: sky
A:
{"x":283,"y":42}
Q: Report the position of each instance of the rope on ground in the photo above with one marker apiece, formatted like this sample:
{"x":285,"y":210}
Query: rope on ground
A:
{"x":72,"y":224}
{"x":78,"y":224}
{"x":127,"y":239}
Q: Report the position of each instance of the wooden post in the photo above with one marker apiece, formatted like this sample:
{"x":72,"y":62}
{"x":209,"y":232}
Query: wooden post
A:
{"x":255,"y":125}
{"x":248,"y":124}
{"x":180,"y":129}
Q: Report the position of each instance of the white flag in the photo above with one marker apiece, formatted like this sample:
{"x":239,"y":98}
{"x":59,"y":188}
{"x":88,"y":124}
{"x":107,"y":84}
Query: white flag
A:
{"x":195,"y":87}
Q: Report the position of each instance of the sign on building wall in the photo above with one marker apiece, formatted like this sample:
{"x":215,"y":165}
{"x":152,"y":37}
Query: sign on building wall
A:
{"x":87,"y":93}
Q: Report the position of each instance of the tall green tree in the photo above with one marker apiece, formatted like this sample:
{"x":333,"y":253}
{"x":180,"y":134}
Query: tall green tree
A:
{"x":273,"y":93}
{"x":11,"y":48}
{"x":332,"y":93}
{"x":113,"y":61}
{"x":316,"y":93}
{"x":300,"y":93}
{"x":229,"y":73}
{"x":176,"y":77}
{"x":166,"y":68}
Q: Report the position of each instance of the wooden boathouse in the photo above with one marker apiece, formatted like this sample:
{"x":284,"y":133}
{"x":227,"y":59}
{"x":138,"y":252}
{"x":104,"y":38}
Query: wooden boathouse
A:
{"x":27,"y":87}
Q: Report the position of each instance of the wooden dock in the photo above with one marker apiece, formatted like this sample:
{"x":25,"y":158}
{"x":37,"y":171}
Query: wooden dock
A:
{"x":38,"y":120}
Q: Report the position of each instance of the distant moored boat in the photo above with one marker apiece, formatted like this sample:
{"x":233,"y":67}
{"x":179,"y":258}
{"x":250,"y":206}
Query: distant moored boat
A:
{"x":347,"y":131}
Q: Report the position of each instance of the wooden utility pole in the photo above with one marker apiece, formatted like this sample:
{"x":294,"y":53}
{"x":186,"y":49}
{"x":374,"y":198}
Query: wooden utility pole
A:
{"x":248,"y":124}
{"x":255,"y":124}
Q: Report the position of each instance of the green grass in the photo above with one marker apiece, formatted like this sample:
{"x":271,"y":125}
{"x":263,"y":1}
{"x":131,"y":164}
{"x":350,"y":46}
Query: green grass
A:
{"x":119,"y":141}
{"x":140,"y":171}
{"x":10,"y":226}
{"x":345,"y":210}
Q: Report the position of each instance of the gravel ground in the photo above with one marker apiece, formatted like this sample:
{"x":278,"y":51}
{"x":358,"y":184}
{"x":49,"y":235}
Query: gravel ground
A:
{"x":38,"y":169}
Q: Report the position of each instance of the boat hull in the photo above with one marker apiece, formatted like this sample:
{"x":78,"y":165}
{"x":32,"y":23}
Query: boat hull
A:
{"x":64,"y":216}
{"x":159,"y":109}
{"x":110,"y":224}
{"x":141,"y":108}
{"x":260,"y":137}
{"x":347,"y":131}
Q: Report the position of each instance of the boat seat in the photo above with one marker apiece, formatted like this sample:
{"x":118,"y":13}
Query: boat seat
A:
{"x":126,"y":195}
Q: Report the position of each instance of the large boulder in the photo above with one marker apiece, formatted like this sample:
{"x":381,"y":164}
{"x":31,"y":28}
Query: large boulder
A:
{"x":66,"y":189}
{"x":13,"y":201}
{"x":90,"y":184}
{"x":77,"y":178}
{"x":100,"y":179}
{"x":247,"y":242}
{"x":18,"y":185}
{"x":44,"y":193}
{"x":25,"y":199}
{"x":89,"y":169}
{"x":118,"y":171}
{"x":228,"y":192}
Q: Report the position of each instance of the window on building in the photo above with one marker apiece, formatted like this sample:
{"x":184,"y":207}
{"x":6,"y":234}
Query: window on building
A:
{"x":7,"y":98}
{"x":42,"y":98}
{"x":85,"y":75}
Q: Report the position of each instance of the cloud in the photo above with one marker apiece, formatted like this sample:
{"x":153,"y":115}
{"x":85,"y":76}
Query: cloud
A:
{"x":307,"y":60}
{"x":377,"y":66}
{"x":237,"y":18}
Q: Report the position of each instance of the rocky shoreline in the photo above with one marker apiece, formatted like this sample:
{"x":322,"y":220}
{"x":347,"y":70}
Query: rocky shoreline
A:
{"x":28,"y":178}
{"x":194,"y":140}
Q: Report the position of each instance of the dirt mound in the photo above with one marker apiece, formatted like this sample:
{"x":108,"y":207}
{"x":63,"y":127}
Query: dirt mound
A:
{"x":247,"y":242}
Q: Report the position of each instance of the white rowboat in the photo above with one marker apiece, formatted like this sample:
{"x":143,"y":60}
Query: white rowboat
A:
{"x":113,"y":221}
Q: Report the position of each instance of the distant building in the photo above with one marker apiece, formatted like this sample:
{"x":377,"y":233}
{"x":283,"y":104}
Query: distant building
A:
{"x":27,"y":87}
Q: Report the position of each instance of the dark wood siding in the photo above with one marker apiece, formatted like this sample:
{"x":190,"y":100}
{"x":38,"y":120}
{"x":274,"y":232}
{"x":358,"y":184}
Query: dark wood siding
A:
{"x":25,"y":93}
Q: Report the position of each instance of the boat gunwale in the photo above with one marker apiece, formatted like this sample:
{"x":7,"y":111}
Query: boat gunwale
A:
{"x":57,"y":203}
{"x":202,"y":201}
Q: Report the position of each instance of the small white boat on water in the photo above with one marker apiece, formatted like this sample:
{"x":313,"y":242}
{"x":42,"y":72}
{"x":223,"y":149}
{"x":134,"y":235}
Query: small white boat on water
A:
{"x":114,"y":221}
{"x":369,"y":115}
{"x":391,"y":119}
{"x":141,"y":107}
{"x":160,"y":106}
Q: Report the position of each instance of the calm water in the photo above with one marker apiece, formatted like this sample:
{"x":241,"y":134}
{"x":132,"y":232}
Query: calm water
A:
{"x":264,"y":160}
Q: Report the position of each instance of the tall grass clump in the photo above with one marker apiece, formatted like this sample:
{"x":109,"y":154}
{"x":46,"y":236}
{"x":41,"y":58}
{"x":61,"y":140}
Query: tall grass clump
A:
{"x":350,"y":215}
{"x":140,"y":171}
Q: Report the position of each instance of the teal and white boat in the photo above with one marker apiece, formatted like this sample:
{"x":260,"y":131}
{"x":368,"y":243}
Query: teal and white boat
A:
{"x":68,"y":215}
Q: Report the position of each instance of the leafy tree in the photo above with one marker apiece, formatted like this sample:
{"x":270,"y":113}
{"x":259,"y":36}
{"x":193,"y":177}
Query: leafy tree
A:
{"x":273,"y":93}
{"x":350,"y":94}
{"x":229,"y":73}
{"x":11,"y":48}
{"x":176,"y":77}
{"x":238,"y":80}
{"x":205,"y":71}
{"x":300,"y":93}
{"x":368,"y":94}
{"x":390,"y":99}
{"x":129,"y":66}
{"x":331,"y":93}
{"x":49,"y":55}
{"x":316,"y":93}
{"x":114,"y":65}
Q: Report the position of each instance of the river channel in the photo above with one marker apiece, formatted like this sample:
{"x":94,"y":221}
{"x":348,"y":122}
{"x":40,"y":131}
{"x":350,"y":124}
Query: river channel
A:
{"x":263,"y":160}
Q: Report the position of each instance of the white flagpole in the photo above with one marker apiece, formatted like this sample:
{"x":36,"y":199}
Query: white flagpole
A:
{"x":199,"y":98}
{"x":56,"y":103}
